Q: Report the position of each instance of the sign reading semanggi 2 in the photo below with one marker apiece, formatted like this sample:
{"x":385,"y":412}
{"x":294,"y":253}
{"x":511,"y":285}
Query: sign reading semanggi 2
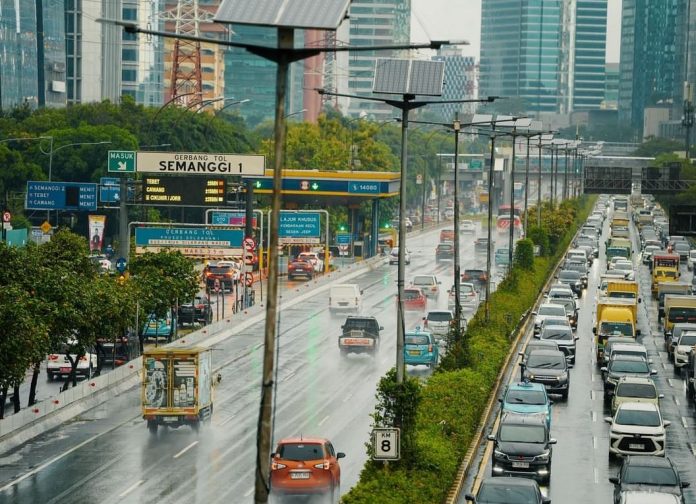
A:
{"x":200,"y":163}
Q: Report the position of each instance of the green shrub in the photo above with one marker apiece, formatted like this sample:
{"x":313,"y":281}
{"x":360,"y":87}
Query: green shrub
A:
{"x":524,"y":254}
{"x":540,"y":238}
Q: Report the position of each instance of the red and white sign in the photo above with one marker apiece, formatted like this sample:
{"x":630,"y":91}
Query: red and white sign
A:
{"x":249,"y":258}
{"x":249,"y":244}
{"x":304,"y":185}
{"x":6,"y":217}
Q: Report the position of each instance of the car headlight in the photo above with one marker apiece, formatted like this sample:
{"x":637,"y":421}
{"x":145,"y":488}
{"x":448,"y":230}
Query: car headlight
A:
{"x":563,"y":377}
{"x":544,"y":457}
{"x":499,"y":454}
{"x":530,"y":376}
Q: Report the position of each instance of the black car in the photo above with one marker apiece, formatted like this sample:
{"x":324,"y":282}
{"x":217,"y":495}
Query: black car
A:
{"x":444,"y":250}
{"x":580,"y":267}
{"x":509,"y":490}
{"x":476,"y":276}
{"x":197,"y":311}
{"x":648,"y":473}
{"x":481,"y":245}
{"x":563,"y":336}
{"x":573,"y":279}
{"x":359,"y":334}
{"x":522,"y":447}
{"x":550,"y":368}
{"x":624,"y":365}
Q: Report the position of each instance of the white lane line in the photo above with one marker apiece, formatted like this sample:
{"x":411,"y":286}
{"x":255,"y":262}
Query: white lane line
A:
{"x":347,"y":398}
{"x":592,"y":396}
{"x":185,"y":449}
{"x":594,"y":416}
{"x":596,"y":476}
{"x":692,"y":448}
{"x":684,"y":422}
{"x":249,"y":492}
{"x":671,"y":383}
{"x":592,"y":375}
{"x":227,"y":420}
{"x":676,"y":401}
{"x":323,"y":420}
{"x":289,"y":376}
{"x":131,"y":488}
{"x":594,"y":442}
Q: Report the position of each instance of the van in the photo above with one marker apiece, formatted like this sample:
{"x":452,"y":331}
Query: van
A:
{"x":345,"y":297}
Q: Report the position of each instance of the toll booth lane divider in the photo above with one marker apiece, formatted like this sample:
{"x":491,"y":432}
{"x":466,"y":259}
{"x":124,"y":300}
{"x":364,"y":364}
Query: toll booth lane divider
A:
{"x":53,"y":411}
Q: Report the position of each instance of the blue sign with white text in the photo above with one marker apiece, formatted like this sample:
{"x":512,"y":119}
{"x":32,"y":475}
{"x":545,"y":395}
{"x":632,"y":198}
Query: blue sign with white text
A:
{"x":188,"y":237}
{"x":300,"y":224}
{"x":74,"y":196}
{"x":109,"y":190}
{"x":363,"y":187}
{"x":343,"y":238}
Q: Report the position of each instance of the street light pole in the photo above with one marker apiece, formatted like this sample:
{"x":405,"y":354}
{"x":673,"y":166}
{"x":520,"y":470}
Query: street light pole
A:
{"x":490,"y":225}
{"x":456,"y":126}
{"x":526,"y":187}
{"x":511,"y":240}
{"x":539,"y":185}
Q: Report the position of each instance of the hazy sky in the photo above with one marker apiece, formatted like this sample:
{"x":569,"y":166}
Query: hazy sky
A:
{"x":461,"y":19}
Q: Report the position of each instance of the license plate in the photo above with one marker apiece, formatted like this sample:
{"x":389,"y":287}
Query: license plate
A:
{"x":170,"y":419}
{"x":65,"y":370}
{"x":520,"y":465}
{"x":299,"y":475}
{"x":414,"y":352}
{"x":635,"y":446}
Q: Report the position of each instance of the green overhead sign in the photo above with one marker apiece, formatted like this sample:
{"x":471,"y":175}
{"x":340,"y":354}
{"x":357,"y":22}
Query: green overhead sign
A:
{"x":121,"y":161}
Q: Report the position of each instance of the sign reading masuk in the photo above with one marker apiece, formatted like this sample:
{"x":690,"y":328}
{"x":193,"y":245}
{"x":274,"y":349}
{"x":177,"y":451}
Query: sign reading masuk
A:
{"x":299,"y":227}
{"x":200,"y":163}
{"x":190,"y":241}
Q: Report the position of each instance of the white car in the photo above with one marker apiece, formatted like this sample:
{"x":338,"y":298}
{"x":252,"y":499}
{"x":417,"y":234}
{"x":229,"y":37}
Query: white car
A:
{"x":637,"y":429}
{"x":626,"y":268}
{"x":691,"y":260}
{"x":58,"y":364}
{"x":685,"y":345}
{"x":468,"y":297}
{"x":547,"y":310}
{"x":438,"y":322}
{"x":394,"y":256}
{"x":467,"y":226}
{"x":428,"y":283}
{"x":313,"y":258}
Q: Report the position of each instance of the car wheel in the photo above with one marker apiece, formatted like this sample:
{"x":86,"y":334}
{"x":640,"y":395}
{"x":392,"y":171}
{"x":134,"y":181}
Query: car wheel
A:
{"x":50,"y":376}
{"x":152,"y":426}
{"x":564,"y":394}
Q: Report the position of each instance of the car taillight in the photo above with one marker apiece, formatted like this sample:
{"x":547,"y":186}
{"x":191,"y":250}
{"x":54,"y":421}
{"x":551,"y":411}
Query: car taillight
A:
{"x":53,"y":357}
{"x":200,"y":306}
{"x":277,"y":465}
{"x":326,"y":465}
{"x":208,"y":273}
{"x":83,"y":358}
{"x":430,"y":348}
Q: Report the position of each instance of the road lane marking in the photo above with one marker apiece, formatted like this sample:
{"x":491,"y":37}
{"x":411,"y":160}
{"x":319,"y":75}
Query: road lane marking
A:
{"x":593,"y":376}
{"x":289,"y":376}
{"x":594,"y":442}
{"x":323,"y":420}
{"x":131,"y":488}
{"x":596,"y":476}
{"x":684,"y":422}
{"x":347,"y":398}
{"x":227,"y":420}
{"x":692,"y":447}
{"x":676,"y":401}
{"x":671,"y":383}
{"x":594,"y":416}
{"x":664,"y":366}
{"x":249,"y":492}
{"x":592,"y":395}
{"x":186,"y":449}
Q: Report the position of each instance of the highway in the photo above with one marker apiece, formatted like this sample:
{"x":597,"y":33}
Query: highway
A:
{"x":580,"y":464}
{"x":107,"y":454}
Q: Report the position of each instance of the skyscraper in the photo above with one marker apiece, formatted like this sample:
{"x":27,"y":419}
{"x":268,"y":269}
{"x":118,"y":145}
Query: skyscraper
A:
{"x":590,"y":54}
{"x":459,"y":81}
{"x":521,"y":53}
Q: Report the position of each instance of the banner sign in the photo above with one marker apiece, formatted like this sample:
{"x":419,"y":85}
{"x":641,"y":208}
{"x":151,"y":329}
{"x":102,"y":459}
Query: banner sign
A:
{"x":299,"y":227}
{"x":200,"y":163}
{"x":96,"y":232}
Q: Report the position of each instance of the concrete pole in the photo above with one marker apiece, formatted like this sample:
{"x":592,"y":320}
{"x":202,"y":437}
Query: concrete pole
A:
{"x":539,"y":187}
{"x":400,"y":323}
{"x":490,"y":226}
{"x":511,"y":241}
{"x":526,"y":188}
{"x":456,"y":126}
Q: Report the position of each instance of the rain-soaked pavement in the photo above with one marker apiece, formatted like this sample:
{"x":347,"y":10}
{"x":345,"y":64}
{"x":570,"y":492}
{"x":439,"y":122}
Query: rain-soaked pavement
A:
{"x":108,"y":456}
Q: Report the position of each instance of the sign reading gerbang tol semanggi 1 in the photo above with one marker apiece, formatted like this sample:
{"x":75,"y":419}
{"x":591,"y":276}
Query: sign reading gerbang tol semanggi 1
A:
{"x":200,"y":163}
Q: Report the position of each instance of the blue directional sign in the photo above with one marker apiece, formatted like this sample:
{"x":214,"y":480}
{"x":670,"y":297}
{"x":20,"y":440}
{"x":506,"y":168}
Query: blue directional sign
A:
{"x":342,"y":238}
{"x":300,"y":225}
{"x":363,"y":187}
{"x":188,"y":237}
{"x":73,"y":196}
{"x":229,"y":218}
{"x":109,"y":190}
{"x":121,"y":264}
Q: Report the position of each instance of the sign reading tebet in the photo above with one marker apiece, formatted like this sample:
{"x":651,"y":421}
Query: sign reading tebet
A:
{"x":200,"y":163}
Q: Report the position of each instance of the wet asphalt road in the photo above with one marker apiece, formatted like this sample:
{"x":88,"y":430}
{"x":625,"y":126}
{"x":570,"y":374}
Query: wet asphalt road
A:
{"x":107,"y":454}
{"x":581,"y":466}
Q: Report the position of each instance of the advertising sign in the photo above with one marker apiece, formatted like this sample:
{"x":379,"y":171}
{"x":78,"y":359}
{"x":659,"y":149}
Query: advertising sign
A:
{"x":191,"y":241}
{"x":184,"y":191}
{"x":96,"y":232}
{"x":75,"y":196}
{"x":200,"y":163}
{"x":299,"y":227}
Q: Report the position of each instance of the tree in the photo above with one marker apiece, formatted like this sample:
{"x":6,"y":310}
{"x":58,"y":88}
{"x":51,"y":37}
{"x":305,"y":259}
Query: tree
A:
{"x":653,"y":147}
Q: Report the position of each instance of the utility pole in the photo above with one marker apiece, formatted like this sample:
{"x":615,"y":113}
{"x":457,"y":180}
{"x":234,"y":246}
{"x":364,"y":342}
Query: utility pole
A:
{"x":511,"y":241}
{"x":687,"y":119}
{"x":539,"y":186}
{"x":457,"y":126}
{"x":490,"y":225}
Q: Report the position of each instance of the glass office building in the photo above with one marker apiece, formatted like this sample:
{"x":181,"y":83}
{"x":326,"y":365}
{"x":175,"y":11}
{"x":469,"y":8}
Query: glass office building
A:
{"x":521,"y":53}
{"x":590,"y":54}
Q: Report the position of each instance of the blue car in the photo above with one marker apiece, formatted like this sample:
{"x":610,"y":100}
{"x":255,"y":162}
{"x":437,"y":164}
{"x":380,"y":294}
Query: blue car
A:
{"x":164,"y":328}
{"x":526,"y":397}
{"x":420,"y":348}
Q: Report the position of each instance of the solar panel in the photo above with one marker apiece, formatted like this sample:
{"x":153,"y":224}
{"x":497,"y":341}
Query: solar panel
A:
{"x":323,"y":14}
{"x":536,"y":126}
{"x":405,"y":76}
{"x":481,"y":119}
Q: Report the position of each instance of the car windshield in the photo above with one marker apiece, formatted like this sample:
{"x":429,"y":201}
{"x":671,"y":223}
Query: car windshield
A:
{"x":423,"y":280}
{"x":520,"y":396}
{"x":623,"y":266}
{"x":411,"y":295}
{"x":557,"y":333}
{"x":637,"y":390}
{"x":682,"y":315}
{"x":647,"y":475}
{"x":616,"y":328}
{"x":439,"y":316}
{"x":499,"y":494}
{"x":546,"y":361}
{"x":622,"y":295}
{"x":219,"y":270}
{"x":522,"y":434}
{"x":576,"y":266}
{"x":465,"y":289}
{"x":552,"y":310}
{"x":301,"y":451}
{"x":649,"y":418}
{"x":360,"y":324}
{"x":445,"y":246}
{"x":688,"y":340}
{"x":415,"y":339}
{"x":569,"y":275}
{"x":629,"y":366}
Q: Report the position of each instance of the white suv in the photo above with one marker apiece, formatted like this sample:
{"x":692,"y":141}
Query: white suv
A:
{"x":637,"y":429}
{"x":684,"y":346}
{"x":547,"y":310}
{"x":58,"y":364}
{"x":312,"y":258}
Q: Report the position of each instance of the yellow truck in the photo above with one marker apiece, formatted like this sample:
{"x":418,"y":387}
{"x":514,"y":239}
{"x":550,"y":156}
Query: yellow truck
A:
{"x":177,"y":387}
{"x":664,"y":288}
{"x":665,"y":268}
{"x":678,"y":309}
{"x":615,"y":317}
{"x":623,"y":289}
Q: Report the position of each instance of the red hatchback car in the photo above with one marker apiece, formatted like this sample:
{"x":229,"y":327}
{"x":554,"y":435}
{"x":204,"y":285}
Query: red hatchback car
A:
{"x":414,"y":299}
{"x":306,"y":466}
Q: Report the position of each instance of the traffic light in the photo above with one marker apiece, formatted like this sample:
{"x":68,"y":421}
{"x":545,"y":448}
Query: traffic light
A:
{"x":121,"y":279}
{"x":387,"y":225}
{"x":342,"y":227}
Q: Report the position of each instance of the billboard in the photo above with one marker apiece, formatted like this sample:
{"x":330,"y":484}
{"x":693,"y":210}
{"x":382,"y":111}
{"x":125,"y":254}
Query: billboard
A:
{"x":96,"y":232}
{"x":199,"y":163}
